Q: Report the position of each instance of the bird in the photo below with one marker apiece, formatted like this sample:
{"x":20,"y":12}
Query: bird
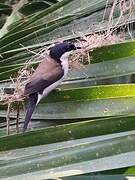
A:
{"x":47,"y":76}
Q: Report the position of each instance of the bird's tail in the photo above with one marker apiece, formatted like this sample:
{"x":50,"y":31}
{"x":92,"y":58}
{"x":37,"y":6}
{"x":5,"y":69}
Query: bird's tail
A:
{"x":30,"y":109}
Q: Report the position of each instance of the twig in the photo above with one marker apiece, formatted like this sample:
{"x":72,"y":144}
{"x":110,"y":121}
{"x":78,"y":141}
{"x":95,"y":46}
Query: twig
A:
{"x":8,"y":118}
{"x":17,"y":116}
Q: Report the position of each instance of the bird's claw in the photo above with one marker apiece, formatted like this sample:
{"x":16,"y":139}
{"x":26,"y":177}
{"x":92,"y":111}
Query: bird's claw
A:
{"x":57,"y":90}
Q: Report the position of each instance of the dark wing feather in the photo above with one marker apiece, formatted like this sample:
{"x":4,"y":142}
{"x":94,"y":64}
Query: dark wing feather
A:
{"x":42,"y":81}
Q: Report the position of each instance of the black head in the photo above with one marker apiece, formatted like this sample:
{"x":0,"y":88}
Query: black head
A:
{"x":59,"y":49}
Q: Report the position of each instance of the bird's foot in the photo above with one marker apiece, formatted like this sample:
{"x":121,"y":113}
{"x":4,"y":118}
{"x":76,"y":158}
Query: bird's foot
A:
{"x":57,"y":90}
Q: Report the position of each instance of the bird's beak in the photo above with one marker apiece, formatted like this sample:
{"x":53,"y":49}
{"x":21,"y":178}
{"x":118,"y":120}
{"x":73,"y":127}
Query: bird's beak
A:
{"x":78,"y":47}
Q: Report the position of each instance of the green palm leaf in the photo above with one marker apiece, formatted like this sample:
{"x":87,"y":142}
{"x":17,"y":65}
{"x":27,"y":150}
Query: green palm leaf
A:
{"x":88,"y":126}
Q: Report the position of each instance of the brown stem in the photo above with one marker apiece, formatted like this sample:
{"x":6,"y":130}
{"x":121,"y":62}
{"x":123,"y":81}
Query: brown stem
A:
{"x":17,"y":116}
{"x":8,"y":119}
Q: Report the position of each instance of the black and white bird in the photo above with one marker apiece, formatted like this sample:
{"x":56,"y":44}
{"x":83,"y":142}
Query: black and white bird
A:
{"x":48,"y":75}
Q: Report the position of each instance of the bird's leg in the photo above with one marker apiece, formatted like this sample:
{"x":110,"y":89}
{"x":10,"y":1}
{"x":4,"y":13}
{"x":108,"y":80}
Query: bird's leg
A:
{"x":17,"y":116}
{"x":8,"y":119}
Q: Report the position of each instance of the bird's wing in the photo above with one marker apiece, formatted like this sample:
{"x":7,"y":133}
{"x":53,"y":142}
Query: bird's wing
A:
{"x":40,"y":81}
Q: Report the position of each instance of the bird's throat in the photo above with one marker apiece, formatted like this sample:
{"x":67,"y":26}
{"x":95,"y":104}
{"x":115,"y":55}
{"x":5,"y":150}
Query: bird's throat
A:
{"x":65,"y":67}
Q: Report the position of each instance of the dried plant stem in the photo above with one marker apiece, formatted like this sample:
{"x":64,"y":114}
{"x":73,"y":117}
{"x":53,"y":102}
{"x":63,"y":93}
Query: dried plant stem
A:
{"x":17,"y":117}
{"x":8,"y":118}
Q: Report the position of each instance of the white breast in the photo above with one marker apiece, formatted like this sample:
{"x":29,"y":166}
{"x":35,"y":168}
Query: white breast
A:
{"x":64,"y":62}
{"x":49,"y":89}
{"x":65,"y":67}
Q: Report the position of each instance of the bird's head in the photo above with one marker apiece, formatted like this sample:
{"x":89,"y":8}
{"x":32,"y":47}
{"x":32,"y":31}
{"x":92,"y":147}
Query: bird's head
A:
{"x":62,"y":51}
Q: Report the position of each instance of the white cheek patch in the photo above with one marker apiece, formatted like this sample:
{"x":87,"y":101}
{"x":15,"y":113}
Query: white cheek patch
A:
{"x":66,"y":55}
{"x":64,"y":62}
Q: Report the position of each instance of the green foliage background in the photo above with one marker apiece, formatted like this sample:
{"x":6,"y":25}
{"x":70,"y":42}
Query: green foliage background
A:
{"x":86,"y":130}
